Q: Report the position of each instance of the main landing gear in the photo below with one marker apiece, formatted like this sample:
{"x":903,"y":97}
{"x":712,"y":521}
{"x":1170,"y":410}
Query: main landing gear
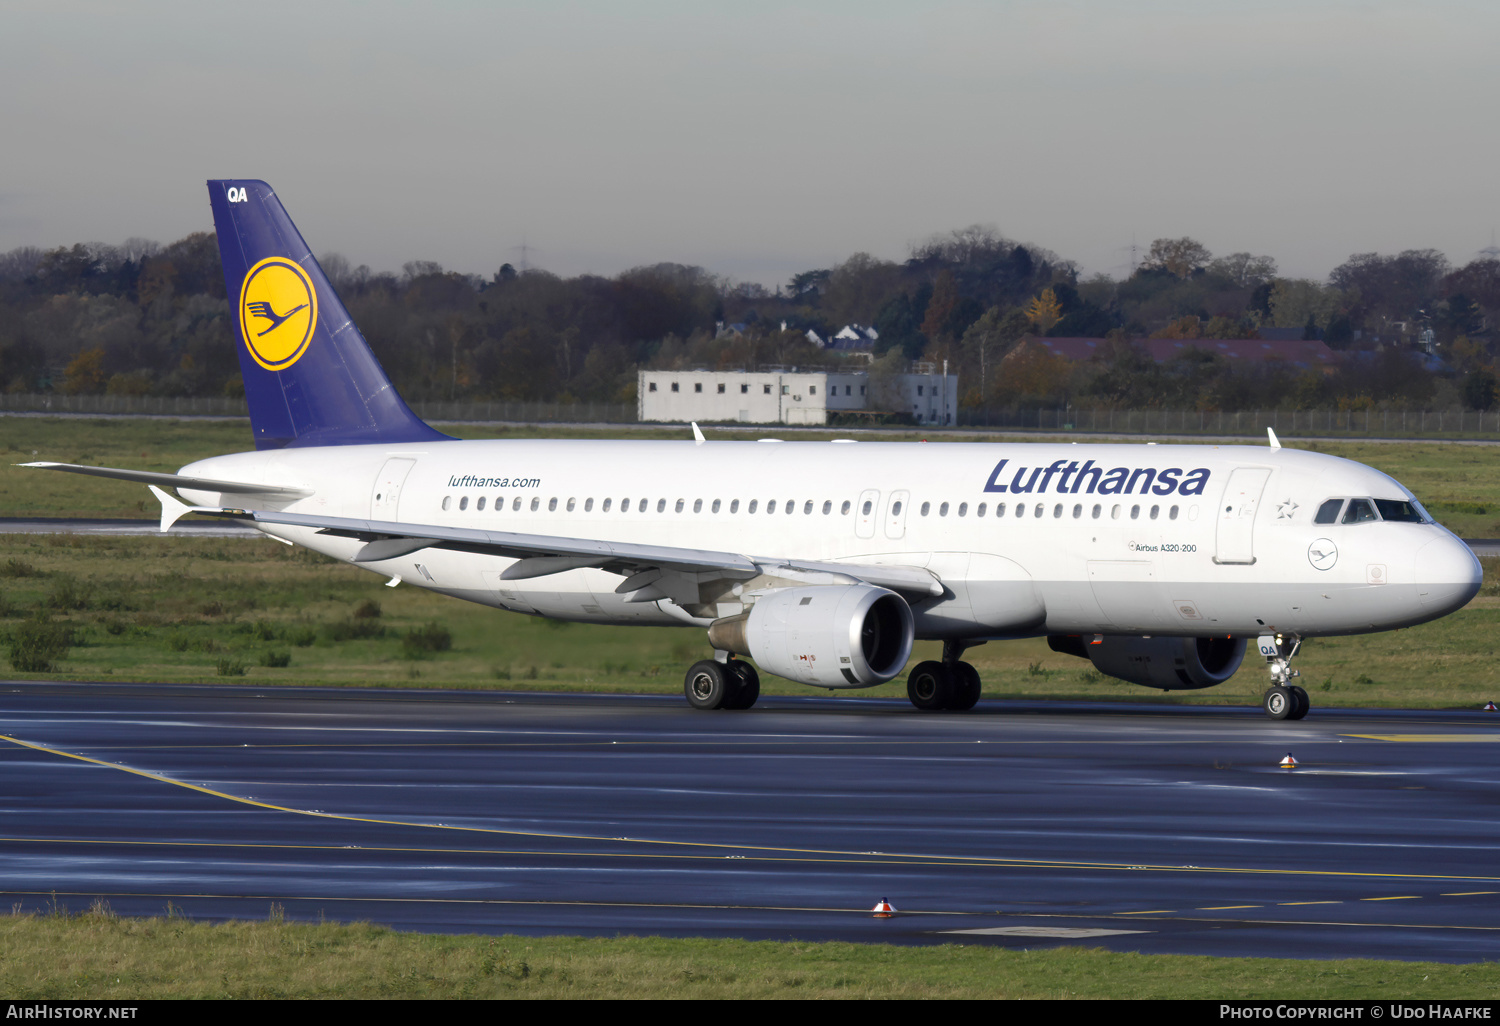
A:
{"x":1283,"y":700}
{"x":732,"y":684}
{"x":950,"y":684}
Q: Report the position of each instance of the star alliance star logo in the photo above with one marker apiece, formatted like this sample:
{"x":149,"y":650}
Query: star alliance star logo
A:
{"x":1285,"y":508}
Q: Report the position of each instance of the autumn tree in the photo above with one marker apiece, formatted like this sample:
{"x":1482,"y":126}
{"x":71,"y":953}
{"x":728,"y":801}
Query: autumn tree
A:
{"x":1179,"y":257}
{"x":1044,"y":311}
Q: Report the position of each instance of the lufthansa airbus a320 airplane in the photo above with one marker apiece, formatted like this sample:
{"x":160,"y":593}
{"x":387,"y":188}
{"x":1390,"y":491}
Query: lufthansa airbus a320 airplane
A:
{"x":820,"y":561}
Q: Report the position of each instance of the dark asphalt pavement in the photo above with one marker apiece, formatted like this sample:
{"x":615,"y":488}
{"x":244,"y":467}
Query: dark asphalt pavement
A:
{"x":1172,"y":829}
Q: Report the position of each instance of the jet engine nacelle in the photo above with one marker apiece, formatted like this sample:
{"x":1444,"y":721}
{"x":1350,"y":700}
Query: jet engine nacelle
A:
{"x":1172,"y":664}
{"x":834,"y":636}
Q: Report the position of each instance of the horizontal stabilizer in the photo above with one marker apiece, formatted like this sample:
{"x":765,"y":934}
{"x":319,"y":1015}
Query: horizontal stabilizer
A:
{"x":199,"y":484}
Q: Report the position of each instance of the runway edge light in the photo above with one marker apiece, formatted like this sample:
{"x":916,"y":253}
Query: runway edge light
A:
{"x":883,"y":909}
{"x":1288,"y":762}
{"x":1489,"y":707}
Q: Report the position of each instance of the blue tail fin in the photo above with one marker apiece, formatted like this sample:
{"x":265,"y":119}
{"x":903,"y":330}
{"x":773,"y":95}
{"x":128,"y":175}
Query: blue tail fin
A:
{"x":310,"y":377}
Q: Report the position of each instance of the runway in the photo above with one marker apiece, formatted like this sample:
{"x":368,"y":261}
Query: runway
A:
{"x":1138,"y":827}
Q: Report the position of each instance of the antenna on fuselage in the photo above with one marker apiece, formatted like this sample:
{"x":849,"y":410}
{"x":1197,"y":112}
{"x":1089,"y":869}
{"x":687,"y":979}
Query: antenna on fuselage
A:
{"x":1271,"y":434}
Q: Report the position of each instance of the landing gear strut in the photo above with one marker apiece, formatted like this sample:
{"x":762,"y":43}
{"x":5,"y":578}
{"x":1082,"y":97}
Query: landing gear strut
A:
{"x":1283,"y":700}
{"x":950,"y":684}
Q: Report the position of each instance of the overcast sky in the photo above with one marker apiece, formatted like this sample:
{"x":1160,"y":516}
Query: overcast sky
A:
{"x":759,"y":139}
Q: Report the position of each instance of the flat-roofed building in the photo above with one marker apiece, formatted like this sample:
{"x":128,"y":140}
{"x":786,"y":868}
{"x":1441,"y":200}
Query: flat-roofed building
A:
{"x":789,"y":396}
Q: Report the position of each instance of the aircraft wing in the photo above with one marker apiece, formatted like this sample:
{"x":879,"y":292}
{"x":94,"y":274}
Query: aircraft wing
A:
{"x":202,"y":484}
{"x":540,"y":555}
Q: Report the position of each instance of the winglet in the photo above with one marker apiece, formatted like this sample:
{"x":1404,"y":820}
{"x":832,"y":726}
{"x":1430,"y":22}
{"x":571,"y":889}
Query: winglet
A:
{"x":1275,"y":442}
{"x":698,"y":438}
{"x":173,"y":511}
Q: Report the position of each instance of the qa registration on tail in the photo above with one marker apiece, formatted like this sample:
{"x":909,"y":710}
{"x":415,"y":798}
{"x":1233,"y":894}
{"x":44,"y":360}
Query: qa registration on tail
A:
{"x":820,"y":561}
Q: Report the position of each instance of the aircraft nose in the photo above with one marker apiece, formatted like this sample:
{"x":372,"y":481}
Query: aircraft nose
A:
{"x":1448,"y":575}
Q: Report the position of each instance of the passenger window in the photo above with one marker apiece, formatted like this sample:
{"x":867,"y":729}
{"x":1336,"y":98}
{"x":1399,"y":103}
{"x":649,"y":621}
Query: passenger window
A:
{"x":571,"y":503}
{"x":1328,"y":513}
{"x":999,"y":510}
{"x":463,"y":503}
{"x":1077,"y":510}
{"x":715,"y":507}
{"x":480,"y":503}
{"x":963,"y":509}
{"x":499,"y":504}
{"x":827,"y":506}
{"x":552,"y":505}
{"x":807,"y":508}
{"x":446,"y":500}
{"x":1097,"y":510}
{"x":1114,"y":514}
{"x":896,"y":508}
{"x":624,"y":505}
{"x":1038,"y":511}
{"x":605,"y":507}
{"x":979,"y":509}
{"x":943,"y":510}
{"x":751,"y":508}
{"x":697,"y":505}
{"x":1359,"y":511}
{"x":926,"y":508}
{"x":536,"y":503}
{"x":1057,"y":511}
{"x":865,"y":510}
{"x":770,"y":507}
{"x":1020,"y":509}
{"x":661,"y":506}
{"x":1135,"y":512}
{"x":844,"y":509}
{"x":588,"y":505}
{"x":515,"y":504}
{"x":1155,"y":512}
{"x":734,"y":506}
{"x":791,"y":506}
{"x":680,"y":504}
{"x":1172,"y":513}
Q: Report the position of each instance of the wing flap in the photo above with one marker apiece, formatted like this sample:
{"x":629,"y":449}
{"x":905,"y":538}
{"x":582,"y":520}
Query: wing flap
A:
{"x":541,"y":555}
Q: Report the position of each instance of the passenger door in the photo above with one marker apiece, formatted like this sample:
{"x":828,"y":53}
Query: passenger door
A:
{"x":1236,"y":534}
{"x":385,"y":497}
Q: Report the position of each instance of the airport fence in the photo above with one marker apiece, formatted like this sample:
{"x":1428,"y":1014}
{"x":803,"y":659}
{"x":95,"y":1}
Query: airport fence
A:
{"x":218,"y":406}
{"x":1319,"y":423}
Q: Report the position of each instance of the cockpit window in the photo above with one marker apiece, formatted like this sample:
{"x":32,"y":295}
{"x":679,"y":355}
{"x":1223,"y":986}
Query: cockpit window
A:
{"x":1399,"y":510}
{"x":1359,"y":511}
{"x":1328,"y":513}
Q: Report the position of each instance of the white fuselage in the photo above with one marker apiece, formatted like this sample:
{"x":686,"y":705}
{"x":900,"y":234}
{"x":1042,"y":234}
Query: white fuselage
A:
{"x":1113,"y":539}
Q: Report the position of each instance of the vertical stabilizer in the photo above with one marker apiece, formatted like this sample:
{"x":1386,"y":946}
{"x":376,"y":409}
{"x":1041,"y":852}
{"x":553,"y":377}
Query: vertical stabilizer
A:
{"x":310,"y":377}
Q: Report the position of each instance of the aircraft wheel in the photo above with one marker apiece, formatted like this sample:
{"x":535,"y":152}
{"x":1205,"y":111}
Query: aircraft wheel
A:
{"x":746,"y":685}
{"x":707,"y":685}
{"x":930,"y":686}
{"x":1303,"y":702}
{"x":966,"y":686}
{"x":1279,"y":702}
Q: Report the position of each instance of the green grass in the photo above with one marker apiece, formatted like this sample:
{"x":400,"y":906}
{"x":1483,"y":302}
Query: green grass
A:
{"x":230,"y":610}
{"x":235,"y":610}
{"x":99,"y":956}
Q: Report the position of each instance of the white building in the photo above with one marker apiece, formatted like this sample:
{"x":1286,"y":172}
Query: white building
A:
{"x":790,"y":397}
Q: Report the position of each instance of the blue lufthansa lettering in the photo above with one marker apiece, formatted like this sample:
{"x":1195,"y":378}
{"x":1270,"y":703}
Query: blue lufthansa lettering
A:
{"x":1071,"y":479}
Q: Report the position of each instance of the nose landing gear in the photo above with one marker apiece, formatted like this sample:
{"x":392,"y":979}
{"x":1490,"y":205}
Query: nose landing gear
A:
{"x":1283,"y":700}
